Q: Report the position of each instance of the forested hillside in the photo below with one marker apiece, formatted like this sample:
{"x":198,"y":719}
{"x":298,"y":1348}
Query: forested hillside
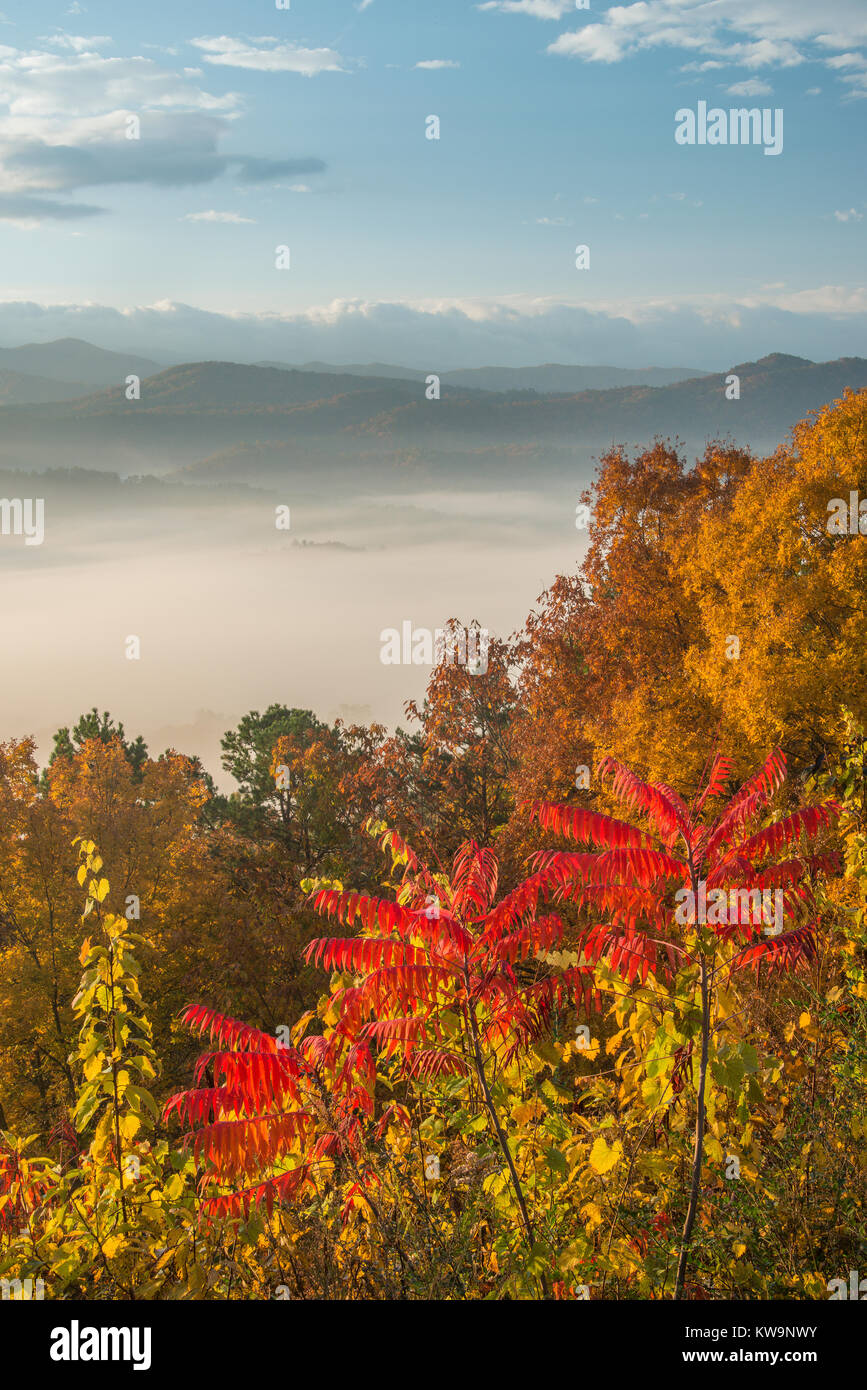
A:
{"x":556,"y":992}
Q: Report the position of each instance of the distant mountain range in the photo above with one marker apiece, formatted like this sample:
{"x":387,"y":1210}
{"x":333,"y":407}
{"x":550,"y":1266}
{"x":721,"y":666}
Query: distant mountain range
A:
{"x":71,"y":367}
{"x":552,"y":376}
{"x":72,"y":360}
{"x":22,"y":388}
{"x":233,"y":422}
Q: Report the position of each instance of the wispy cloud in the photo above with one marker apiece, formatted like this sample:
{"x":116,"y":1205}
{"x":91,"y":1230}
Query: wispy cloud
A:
{"x":78,"y":43}
{"x":846,"y":60}
{"x":753,"y":87}
{"x":269,"y":55}
{"x":740,"y":33}
{"x":80,"y":120}
{"x":851,"y":216}
{"x":433,"y":63}
{"x":712,"y":330}
{"x":540,"y":9}
{"x":27,"y":212}
{"x":212,"y":216}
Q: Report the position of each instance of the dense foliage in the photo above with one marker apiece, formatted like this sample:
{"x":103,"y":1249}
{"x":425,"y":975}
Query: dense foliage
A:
{"x":595,"y":1022}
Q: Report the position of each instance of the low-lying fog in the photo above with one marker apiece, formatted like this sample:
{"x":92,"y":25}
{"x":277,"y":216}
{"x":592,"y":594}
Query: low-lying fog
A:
{"x":233,"y":614}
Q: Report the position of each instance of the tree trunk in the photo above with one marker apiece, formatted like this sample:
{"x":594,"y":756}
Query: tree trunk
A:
{"x":698,"y":1150}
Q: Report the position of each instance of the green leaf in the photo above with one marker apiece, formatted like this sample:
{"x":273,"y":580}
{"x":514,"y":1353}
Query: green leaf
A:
{"x":556,"y":1160}
{"x":138,"y":1096}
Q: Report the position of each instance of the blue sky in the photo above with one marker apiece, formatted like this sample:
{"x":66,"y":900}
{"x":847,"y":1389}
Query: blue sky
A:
{"x":306,"y":127}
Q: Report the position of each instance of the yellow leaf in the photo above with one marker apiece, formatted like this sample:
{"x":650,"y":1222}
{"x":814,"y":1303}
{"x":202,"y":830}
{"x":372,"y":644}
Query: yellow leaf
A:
{"x":603,"y":1158}
{"x":174,"y":1187}
{"x":526,"y":1111}
{"x":130,"y":1126}
{"x":93,"y":1066}
{"x":591,"y":1216}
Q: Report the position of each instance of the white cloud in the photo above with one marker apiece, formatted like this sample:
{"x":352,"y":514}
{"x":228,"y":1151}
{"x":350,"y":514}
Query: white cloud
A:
{"x":846,"y":60}
{"x":41,"y":84}
{"x":432,"y":64}
{"x":764,"y":53}
{"x":299,"y":188}
{"x":753,"y":87}
{"x":857,"y":84}
{"x":850,"y":216}
{"x":540,"y":9}
{"x":212,"y":216}
{"x":852,"y":68}
{"x":596,"y":44}
{"x":751,"y":34}
{"x":708,"y":331}
{"x":64,"y":120}
{"x":77,"y":43}
{"x":277,"y":57}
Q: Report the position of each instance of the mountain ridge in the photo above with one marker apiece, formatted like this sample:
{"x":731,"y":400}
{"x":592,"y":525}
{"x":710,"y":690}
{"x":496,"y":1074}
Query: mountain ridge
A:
{"x":264,"y":421}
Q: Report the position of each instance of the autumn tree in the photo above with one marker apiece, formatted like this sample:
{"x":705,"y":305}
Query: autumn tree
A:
{"x":779,"y":583}
{"x":103,"y":728}
{"x":445,"y":778}
{"x":144,"y":816}
{"x":603,"y":659}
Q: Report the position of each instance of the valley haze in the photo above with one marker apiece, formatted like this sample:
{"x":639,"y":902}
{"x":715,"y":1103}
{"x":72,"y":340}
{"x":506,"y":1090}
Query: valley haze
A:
{"x":159,"y":517}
